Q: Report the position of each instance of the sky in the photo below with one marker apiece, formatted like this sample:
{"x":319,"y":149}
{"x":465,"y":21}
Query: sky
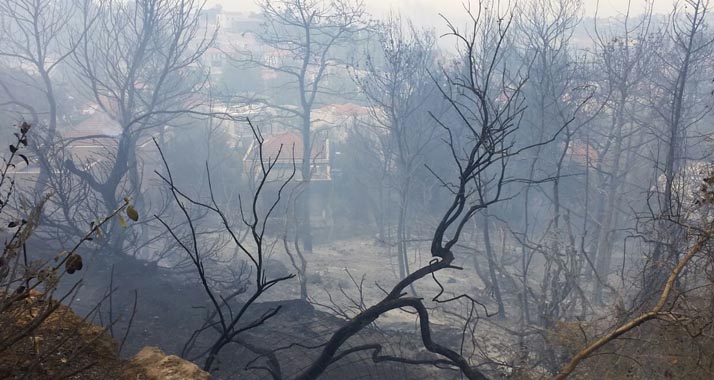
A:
{"x":426,"y":11}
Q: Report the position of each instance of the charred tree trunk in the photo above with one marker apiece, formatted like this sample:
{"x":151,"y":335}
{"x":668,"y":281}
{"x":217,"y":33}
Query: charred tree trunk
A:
{"x":496,"y":289}
{"x":604,"y":245}
{"x":305,"y":223}
{"x":44,"y":167}
{"x":402,"y":232}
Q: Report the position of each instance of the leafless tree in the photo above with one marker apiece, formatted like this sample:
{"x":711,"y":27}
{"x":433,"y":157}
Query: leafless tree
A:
{"x":141,"y":67}
{"x":624,"y":58}
{"x":300,"y":40}
{"x":397,"y":84}
{"x":683,"y":60}
{"x":39,"y":36}
{"x":29,"y":281}
{"x":221,"y":317}
{"x":481,"y":144}
{"x":698,"y":243}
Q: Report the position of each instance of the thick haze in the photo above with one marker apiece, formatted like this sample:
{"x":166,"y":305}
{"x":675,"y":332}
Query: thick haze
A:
{"x":424,"y":11}
{"x":357,"y":189}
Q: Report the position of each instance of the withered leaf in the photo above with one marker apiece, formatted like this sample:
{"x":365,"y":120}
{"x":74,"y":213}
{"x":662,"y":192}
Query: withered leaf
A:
{"x":132,"y":214}
{"x":73,"y":263}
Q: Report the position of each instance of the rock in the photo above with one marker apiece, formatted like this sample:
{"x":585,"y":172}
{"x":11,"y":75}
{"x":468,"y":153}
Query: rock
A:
{"x":153,"y":364}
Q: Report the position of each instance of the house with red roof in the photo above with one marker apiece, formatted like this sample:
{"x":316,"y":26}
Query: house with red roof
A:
{"x":287,"y":149}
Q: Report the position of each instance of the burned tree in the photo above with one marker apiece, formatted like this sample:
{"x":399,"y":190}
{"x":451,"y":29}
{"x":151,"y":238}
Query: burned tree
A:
{"x":667,"y":300}
{"x":141,"y":69}
{"x":227,"y":323}
{"x":39,"y":37}
{"x":680,"y":105}
{"x":480,"y":144}
{"x":397,"y":84}
{"x":30,"y":280}
{"x":624,"y":61}
{"x":302,"y":39}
